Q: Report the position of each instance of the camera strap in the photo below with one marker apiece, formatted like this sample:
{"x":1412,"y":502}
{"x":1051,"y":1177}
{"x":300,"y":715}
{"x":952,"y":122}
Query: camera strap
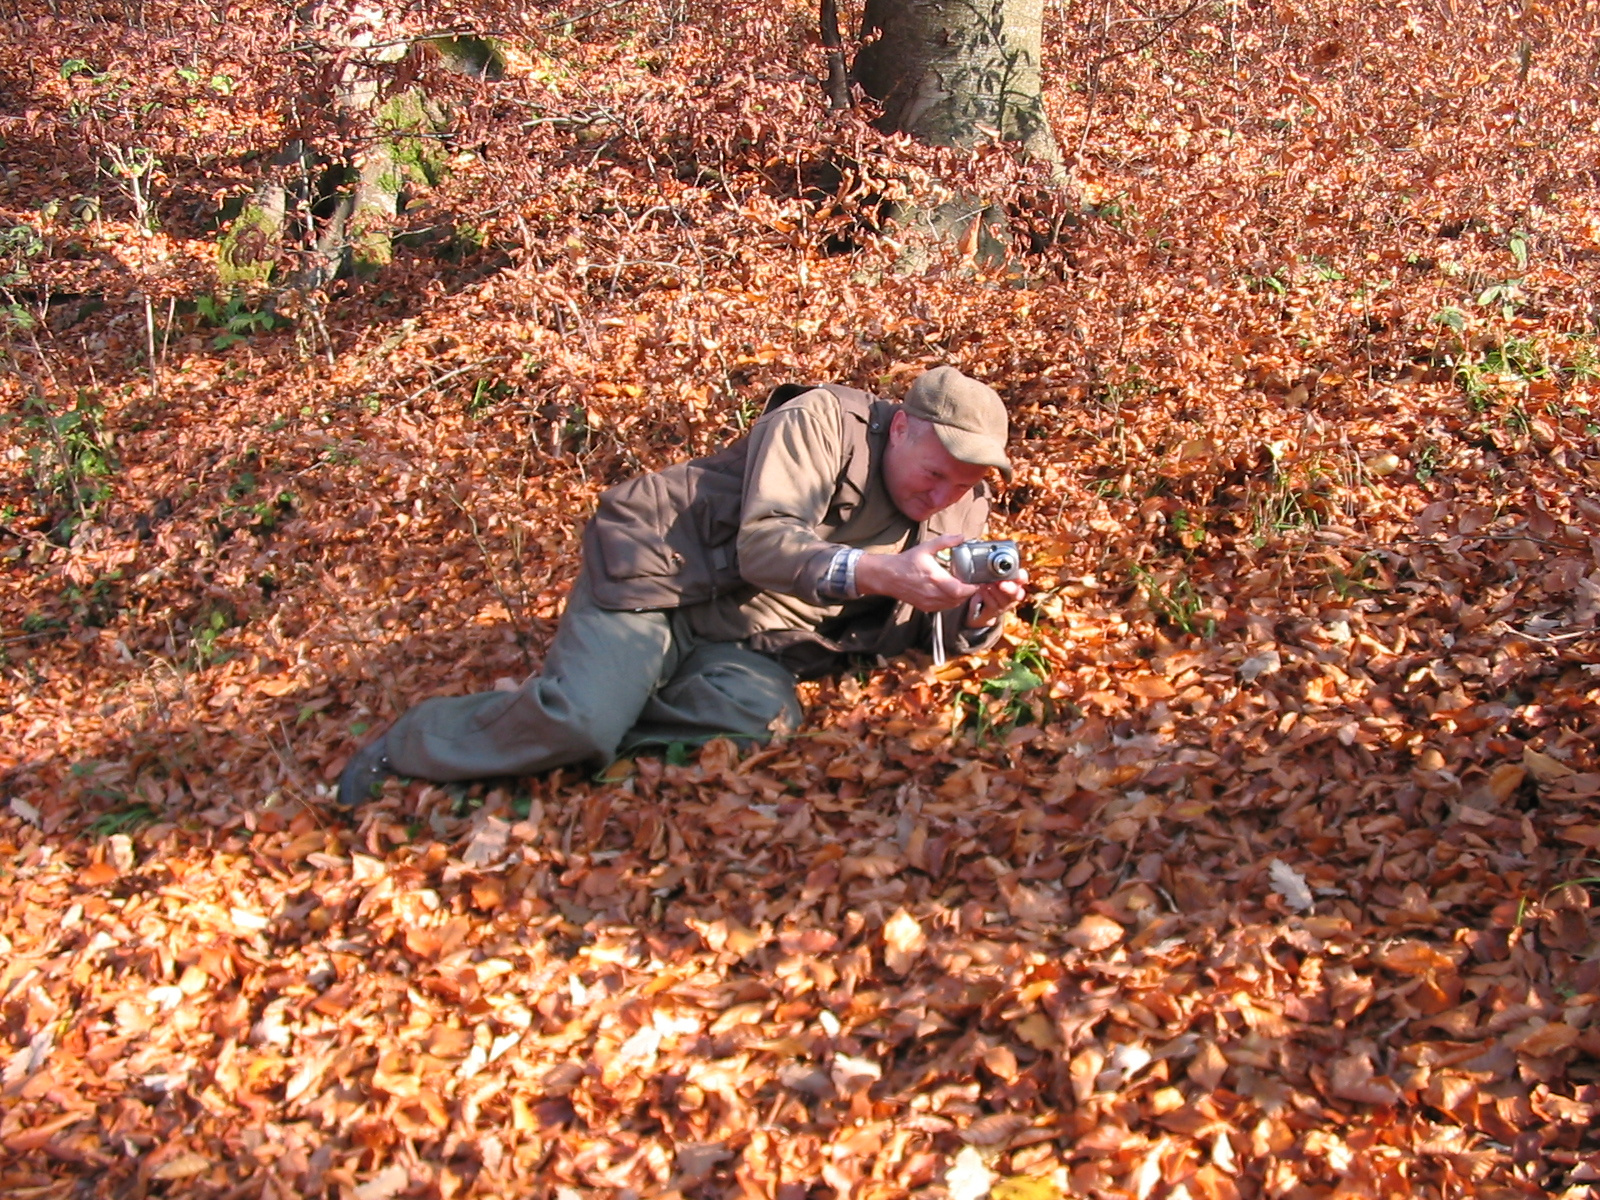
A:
{"x":938,"y":639}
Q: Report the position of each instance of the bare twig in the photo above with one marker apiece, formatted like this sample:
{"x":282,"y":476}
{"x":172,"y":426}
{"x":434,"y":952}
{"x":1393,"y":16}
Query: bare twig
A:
{"x":150,"y":350}
{"x":583,"y":16}
{"x":433,"y":383}
{"x":1167,"y":22}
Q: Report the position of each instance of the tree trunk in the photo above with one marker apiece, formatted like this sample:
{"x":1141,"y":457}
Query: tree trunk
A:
{"x":953,"y":72}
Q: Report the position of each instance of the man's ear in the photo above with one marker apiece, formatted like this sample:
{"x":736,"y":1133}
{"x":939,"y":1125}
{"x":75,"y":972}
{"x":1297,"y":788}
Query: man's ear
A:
{"x":898,"y":424}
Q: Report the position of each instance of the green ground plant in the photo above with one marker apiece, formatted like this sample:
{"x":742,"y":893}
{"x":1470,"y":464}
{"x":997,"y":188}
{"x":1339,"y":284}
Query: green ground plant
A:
{"x":1176,"y":601}
{"x":993,"y":707}
{"x":236,"y":316}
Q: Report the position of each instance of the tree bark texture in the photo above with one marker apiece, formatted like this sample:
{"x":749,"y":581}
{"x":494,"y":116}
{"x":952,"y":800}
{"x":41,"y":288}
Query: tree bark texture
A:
{"x":953,"y":72}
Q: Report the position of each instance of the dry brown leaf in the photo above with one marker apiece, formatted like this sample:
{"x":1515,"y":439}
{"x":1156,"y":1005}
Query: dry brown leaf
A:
{"x":1095,"y":933}
{"x":903,"y":940}
{"x":1208,"y":1066}
{"x":1540,"y":1040}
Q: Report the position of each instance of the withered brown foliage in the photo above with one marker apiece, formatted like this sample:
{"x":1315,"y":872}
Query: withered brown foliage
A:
{"x":1279,"y":884}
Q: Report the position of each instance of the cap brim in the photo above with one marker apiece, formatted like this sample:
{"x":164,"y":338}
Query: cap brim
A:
{"x":974,"y":448}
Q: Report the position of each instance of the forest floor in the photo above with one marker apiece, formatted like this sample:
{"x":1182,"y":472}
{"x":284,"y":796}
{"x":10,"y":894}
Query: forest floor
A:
{"x":1258,"y":861}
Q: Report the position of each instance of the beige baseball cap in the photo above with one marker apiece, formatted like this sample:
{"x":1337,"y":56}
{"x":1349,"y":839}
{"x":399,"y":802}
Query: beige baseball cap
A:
{"x":968,"y":416}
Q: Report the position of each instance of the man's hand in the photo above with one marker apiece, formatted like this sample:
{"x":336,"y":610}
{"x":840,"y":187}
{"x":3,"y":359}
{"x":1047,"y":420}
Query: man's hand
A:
{"x":917,"y":577}
{"x":993,"y":599}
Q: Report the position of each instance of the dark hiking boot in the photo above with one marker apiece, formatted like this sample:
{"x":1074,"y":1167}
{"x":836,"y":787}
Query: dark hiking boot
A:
{"x":368,"y":768}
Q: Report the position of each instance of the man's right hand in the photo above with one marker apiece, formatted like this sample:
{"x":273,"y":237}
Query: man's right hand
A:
{"x":915,"y":576}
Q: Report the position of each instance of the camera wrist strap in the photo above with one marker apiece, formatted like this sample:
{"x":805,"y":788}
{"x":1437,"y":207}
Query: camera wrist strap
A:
{"x":938,"y":639}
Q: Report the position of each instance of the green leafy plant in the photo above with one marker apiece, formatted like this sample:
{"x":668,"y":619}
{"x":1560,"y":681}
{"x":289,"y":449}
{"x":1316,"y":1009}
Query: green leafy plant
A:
{"x":18,"y":245}
{"x":1281,"y":508}
{"x":73,"y":67}
{"x":132,"y":167}
{"x":1425,"y":463}
{"x":1584,"y":363}
{"x":124,"y":820}
{"x":1518,"y":245}
{"x":1267,"y":283}
{"x":235,"y":318}
{"x":1514,"y":361}
{"x":997,"y":705}
{"x":69,"y":456}
{"x":486,"y":393}
{"x":1176,"y":601}
{"x":1352,"y":584}
{"x":203,"y":639}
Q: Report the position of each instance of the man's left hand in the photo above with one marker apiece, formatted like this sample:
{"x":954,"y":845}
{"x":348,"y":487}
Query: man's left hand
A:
{"x":993,"y":599}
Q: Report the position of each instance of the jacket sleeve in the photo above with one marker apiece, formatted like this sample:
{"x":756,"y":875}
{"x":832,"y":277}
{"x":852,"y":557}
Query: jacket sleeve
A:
{"x":795,"y":457}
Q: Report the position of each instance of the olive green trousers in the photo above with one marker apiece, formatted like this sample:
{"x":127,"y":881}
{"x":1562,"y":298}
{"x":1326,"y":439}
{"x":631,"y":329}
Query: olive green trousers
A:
{"x":612,"y":683}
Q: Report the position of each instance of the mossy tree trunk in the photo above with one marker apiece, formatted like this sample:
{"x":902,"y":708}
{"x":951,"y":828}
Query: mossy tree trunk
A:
{"x":399,"y":137}
{"x":957,"y":73}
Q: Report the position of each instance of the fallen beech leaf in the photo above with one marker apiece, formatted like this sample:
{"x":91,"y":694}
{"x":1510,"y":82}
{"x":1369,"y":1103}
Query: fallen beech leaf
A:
{"x":1208,"y":1066}
{"x":1505,"y":779}
{"x":903,"y":940}
{"x":1095,"y":933}
{"x":1038,"y":1031}
{"x":739,"y":1014}
{"x":1265,"y":663}
{"x":1001,"y":1062}
{"x":1035,"y":904}
{"x":448,"y":1041}
{"x":385,"y":1185}
{"x":489,"y":892}
{"x":1542,"y":1040}
{"x":1149,"y":687}
{"x":851,"y":1074}
{"x":1582,"y":835}
{"x":96,"y":874}
{"x":488,"y":844}
{"x":182,"y":1166}
{"x":968,"y":1178}
{"x":696,"y":1160}
{"x":1353,"y":1078}
{"x":1291,"y":885}
{"x":1026,"y":1187}
{"x":994,"y":1130}
{"x":1545,"y":769}
{"x":868,"y":866}
{"x":1084,"y":1071}
{"x":742,"y":941}
{"x":251,"y":922}
{"x":1413,"y":958}
{"x":26,"y":1141}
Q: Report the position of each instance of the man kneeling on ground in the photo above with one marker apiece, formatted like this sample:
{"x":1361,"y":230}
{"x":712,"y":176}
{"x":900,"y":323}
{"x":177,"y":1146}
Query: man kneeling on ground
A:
{"x":708,"y":588}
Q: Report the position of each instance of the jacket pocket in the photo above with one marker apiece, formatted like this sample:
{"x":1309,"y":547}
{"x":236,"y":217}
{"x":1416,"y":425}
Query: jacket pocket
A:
{"x":624,"y":556}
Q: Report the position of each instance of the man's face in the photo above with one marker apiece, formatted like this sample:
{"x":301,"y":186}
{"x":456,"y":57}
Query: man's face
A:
{"x":921,"y":475}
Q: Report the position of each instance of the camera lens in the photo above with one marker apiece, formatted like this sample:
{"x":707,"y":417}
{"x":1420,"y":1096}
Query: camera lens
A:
{"x":1002,"y":563}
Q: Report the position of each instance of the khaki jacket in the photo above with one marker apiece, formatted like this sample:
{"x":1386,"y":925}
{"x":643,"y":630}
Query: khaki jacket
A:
{"x":741,"y":538}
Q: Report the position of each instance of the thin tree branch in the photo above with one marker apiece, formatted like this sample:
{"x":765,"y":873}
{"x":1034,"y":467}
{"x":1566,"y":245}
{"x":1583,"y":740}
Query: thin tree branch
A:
{"x":1152,"y":39}
{"x":838,"y":85}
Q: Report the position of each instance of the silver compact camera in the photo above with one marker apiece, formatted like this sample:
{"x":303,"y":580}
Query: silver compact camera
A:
{"x":986,"y":562}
